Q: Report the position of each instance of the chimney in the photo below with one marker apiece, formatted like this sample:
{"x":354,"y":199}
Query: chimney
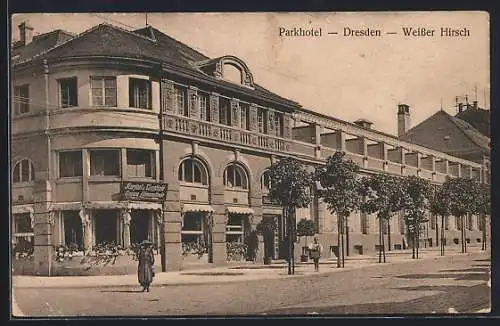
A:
{"x":25,"y":33}
{"x":403,"y":119}
{"x":474,"y":105}
{"x":364,"y":123}
{"x":460,"y":107}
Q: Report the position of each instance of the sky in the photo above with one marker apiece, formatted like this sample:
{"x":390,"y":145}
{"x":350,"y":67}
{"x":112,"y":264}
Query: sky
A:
{"x":341,"y":76}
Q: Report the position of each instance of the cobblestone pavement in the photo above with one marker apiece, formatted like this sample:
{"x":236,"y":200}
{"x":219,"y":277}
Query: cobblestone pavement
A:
{"x":449,"y":284}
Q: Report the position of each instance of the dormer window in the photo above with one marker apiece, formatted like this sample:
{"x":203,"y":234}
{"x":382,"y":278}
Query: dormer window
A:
{"x":229,"y":68}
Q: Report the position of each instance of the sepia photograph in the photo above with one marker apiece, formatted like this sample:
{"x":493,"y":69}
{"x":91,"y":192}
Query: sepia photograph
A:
{"x":261,"y":164}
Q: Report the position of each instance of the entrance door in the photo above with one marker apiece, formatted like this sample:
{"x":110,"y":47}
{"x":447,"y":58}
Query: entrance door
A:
{"x":139,"y":225}
{"x":73,"y":232}
{"x":105,"y":225}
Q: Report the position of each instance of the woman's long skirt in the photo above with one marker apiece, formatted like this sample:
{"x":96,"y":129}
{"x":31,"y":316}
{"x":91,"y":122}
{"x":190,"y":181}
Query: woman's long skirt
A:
{"x":145,"y":273}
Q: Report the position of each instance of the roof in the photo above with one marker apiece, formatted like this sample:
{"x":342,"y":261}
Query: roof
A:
{"x":40,"y":43}
{"x":146,"y":43}
{"x":478,"y":118}
{"x":448,"y":134}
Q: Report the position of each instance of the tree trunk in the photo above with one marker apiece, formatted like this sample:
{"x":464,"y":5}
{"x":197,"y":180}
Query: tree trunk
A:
{"x":342,"y":239}
{"x":418,"y":239}
{"x":388,"y":235}
{"x":461,"y":218}
{"x":437,"y":231}
{"x":465,"y":236}
{"x":383,"y":245}
{"x":290,"y":240}
{"x":412,"y":245}
{"x":380,"y":237}
{"x":483,"y":247}
{"x":346,"y":237}
{"x":442,"y":235}
{"x":339,"y":228}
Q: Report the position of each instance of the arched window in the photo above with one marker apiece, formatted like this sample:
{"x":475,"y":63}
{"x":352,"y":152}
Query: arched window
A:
{"x":235,"y":177}
{"x":24,"y":171}
{"x":265,"y":181}
{"x":192,"y":170}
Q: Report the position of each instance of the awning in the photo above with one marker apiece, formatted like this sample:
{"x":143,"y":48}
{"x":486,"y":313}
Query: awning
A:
{"x":67,"y":206}
{"x":197,"y":208}
{"x":21,"y":209}
{"x":105,"y":205}
{"x":137,"y":205}
{"x":239,"y":210}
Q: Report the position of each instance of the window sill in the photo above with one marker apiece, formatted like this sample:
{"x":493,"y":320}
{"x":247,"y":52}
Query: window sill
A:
{"x":145,"y":179}
{"x":105,"y":178}
{"x":69,"y":179}
{"x":193,"y":185}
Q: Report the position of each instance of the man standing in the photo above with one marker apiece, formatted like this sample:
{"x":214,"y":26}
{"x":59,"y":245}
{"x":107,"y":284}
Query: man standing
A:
{"x":316,"y":249}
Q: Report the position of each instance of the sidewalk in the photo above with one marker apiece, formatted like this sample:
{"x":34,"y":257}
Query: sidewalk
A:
{"x":235,"y":273}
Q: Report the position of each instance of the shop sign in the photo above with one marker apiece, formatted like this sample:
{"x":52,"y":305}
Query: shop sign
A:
{"x":143,"y":191}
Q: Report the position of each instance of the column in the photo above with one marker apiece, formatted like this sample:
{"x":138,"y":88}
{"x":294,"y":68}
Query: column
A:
{"x":219,"y":229}
{"x":341,"y":141}
{"x":172,"y":228}
{"x":256,"y":205}
{"x":85,"y":175}
{"x":86,"y":228}
{"x":155,"y":96}
{"x":419,"y":163}
{"x":287,"y":127}
{"x":42,"y":228}
{"x":235,"y":113}
{"x":126,"y":218}
{"x":433,"y":168}
{"x":403,"y":160}
{"x":383,"y":149}
{"x":459,"y":170}
{"x":123,"y":165}
{"x":317,"y":138}
{"x":364,"y":151}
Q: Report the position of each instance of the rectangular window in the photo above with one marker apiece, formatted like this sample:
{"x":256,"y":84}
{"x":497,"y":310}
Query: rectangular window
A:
{"x":204,"y":107}
{"x":245,"y":116}
{"x":224,"y":111}
{"x":140,"y":163}
{"x":21,"y":99}
{"x":68,"y":92}
{"x":106,"y":225}
{"x":73,"y":232}
{"x":70,"y":164}
{"x":139,"y":93}
{"x":181,"y":101}
{"x":364,"y":223}
{"x":23,"y":223}
{"x":262,"y":120}
{"x":105,"y":162}
{"x":103,"y":91}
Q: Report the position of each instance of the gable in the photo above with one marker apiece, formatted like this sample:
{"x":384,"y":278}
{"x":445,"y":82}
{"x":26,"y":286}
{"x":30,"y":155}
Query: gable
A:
{"x":440,"y":133}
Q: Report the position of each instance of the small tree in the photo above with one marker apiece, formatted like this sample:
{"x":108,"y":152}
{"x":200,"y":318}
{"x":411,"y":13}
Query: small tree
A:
{"x":290,"y":185}
{"x":340,"y":191}
{"x":483,"y":208}
{"x":463,"y":193}
{"x":439,"y":205}
{"x":306,"y":228}
{"x":382,"y":195}
{"x":417,"y":192}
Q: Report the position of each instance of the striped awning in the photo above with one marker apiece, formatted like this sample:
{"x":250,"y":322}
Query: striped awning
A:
{"x":197,"y":208}
{"x":144,"y":205}
{"x":239,"y":210}
{"x":21,"y":209}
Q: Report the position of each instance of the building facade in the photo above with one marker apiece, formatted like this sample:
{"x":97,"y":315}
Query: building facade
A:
{"x":120,"y":136}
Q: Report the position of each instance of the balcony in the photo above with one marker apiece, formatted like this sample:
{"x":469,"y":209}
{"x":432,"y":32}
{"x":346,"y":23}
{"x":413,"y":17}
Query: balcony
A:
{"x":228,"y":134}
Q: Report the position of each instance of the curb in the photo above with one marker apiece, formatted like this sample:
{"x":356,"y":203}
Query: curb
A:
{"x":166,"y":283}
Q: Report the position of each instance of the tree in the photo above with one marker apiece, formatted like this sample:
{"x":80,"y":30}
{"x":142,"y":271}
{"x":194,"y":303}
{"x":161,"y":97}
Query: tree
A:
{"x":306,"y":228}
{"x":382,"y":195}
{"x":462,"y":193}
{"x":483,"y":208}
{"x":417,"y":192}
{"x":439,"y":205}
{"x":290,"y":185}
{"x":340,"y":191}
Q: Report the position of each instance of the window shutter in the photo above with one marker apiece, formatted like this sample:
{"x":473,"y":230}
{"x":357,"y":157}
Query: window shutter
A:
{"x":193,"y":104}
{"x":167,"y":96}
{"x":270,"y":122}
{"x":235,"y":113}
{"x":214,"y":107}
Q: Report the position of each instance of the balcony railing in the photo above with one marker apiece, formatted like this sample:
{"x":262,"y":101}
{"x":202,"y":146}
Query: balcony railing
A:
{"x":224,"y":133}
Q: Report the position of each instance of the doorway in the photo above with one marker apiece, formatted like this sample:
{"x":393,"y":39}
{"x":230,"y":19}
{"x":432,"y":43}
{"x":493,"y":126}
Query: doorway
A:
{"x":139,"y":226}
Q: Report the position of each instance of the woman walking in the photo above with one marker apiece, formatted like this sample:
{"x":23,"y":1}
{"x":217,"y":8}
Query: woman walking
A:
{"x":146,"y":259}
{"x":315,"y":250}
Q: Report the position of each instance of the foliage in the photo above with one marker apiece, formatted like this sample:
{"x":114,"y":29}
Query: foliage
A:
{"x":339,"y":183}
{"x":416,"y":202}
{"x":439,"y":201}
{"x":483,"y":199}
{"x":236,"y":250}
{"x":463,"y":195}
{"x":290,"y":183}
{"x":306,"y":227}
{"x":266,"y":225}
{"x":195,"y":248}
{"x":383,"y":194}
{"x":23,"y":249}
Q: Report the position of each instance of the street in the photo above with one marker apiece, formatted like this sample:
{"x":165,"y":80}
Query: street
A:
{"x":442,"y":285}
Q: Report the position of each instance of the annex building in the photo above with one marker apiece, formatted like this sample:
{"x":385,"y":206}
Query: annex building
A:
{"x":118,"y":136}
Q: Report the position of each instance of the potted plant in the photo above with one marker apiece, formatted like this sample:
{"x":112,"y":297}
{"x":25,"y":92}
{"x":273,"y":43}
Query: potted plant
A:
{"x":305,"y":228}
